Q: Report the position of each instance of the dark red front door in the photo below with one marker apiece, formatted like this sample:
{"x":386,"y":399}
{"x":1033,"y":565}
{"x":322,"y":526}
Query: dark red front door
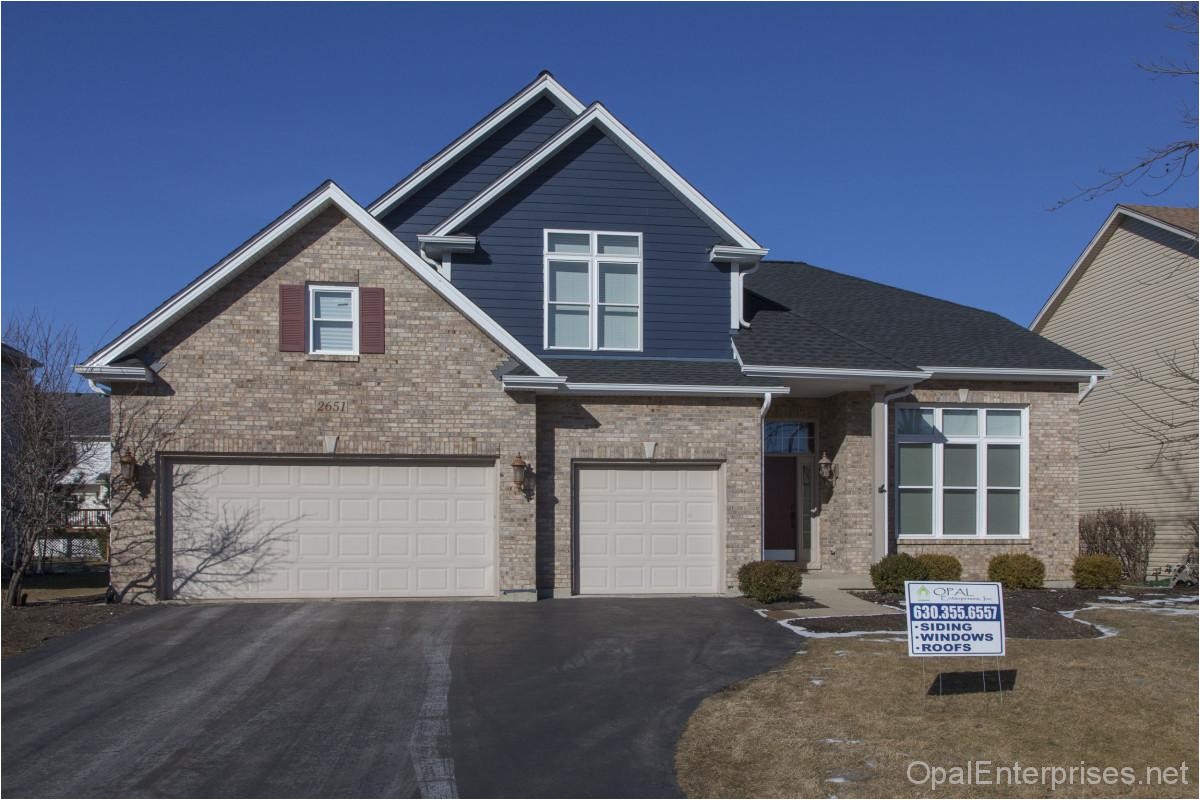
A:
{"x":779,"y":490}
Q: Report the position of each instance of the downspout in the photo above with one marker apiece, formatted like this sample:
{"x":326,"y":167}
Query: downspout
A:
{"x":762,"y":471}
{"x":1092,"y":381}
{"x":742,"y":273}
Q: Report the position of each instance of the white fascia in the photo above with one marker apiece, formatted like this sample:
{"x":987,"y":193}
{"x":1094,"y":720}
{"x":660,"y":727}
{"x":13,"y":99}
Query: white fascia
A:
{"x":1086,"y":256}
{"x":328,"y":194}
{"x":641,"y":389}
{"x":596,"y":114}
{"x":826,"y":373}
{"x":1016,"y":373}
{"x":111,"y":374}
{"x":545,"y":84}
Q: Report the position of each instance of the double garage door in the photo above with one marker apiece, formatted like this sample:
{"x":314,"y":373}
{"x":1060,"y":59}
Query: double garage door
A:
{"x":303,"y":529}
{"x":276,"y":529}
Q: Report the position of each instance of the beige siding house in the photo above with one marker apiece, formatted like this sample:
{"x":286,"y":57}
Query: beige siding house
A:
{"x":1130,"y":303}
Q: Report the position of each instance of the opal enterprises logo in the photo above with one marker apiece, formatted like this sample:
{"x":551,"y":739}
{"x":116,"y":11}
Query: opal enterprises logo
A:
{"x":954,"y":618}
{"x":990,"y":773}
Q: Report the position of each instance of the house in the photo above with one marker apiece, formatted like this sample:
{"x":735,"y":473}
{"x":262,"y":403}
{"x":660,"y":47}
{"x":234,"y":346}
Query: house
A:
{"x":1129,"y":302}
{"x":545,"y":364}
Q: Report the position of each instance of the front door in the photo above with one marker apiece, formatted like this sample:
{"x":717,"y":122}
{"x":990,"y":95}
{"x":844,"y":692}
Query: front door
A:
{"x":790,"y":500}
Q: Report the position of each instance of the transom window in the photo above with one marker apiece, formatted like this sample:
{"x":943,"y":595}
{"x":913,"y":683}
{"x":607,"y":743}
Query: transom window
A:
{"x":961,"y":472}
{"x":593,"y":290}
{"x":789,"y":437}
{"x":333,"y":319}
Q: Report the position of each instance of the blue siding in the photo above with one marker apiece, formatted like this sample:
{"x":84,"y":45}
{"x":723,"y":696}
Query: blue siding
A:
{"x":448,"y":191}
{"x":595,"y":185}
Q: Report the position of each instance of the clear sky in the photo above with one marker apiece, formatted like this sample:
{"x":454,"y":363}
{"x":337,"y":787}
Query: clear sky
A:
{"x":918,"y":145}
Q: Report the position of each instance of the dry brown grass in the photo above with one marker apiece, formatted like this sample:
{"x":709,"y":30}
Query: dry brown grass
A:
{"x":1126,"y":701}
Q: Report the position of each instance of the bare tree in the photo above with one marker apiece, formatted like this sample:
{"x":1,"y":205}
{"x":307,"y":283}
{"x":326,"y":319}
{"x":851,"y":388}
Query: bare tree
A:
{"x":1161,"y":166}
{"x":41,"y":441}
{"x":1168,"y":421}
{"x":211,"y":547}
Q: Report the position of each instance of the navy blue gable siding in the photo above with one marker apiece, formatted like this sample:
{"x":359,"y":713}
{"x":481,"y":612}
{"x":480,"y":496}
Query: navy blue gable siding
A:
{"x":448,"y":191}
{"x":595,"y":185}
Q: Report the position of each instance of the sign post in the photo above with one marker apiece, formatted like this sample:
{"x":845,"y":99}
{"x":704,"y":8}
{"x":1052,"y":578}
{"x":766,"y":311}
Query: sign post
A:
{"x":957,"y":618}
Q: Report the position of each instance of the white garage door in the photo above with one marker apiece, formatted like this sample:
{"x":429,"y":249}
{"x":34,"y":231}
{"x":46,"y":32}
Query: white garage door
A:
{"x":262,"y":530}
{"x":648,"y":530}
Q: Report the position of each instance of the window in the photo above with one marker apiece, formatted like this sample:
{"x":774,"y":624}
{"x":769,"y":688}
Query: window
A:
{"x":789,"y":437}
{"x":333,"y":319}
{"x":593,"y":290}
{"x":961,"y":472}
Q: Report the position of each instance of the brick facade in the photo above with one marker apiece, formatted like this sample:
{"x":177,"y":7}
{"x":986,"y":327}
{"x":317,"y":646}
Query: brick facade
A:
{"x":224,"y":387}
{"x":571,"y":430}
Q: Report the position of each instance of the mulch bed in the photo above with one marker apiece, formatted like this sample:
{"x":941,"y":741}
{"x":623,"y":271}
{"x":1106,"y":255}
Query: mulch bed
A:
{"x":26,"y":627}
{"x":1028,"y":613}
{"x":796,"y":601}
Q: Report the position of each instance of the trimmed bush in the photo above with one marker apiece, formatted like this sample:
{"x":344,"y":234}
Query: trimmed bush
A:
{"x":1096,"y":572}
{"x":1017,"y":571}
{"x":769,"y":581}
{"x":1123,"y":533}
{"x":890,"y":572}
{"x":940,"y":567}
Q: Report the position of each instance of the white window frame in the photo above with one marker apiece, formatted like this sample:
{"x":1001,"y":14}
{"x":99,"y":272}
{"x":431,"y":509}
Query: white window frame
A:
{"x":592,"y":259}
{"x":311,"y":311}
{"x":981,"y":440}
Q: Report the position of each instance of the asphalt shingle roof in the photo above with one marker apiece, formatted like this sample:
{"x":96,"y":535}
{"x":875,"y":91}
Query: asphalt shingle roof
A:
{"x":801,"y":315}
{"x":1185,"y":218}
{"x":649,"y":371}
{"x":88,"y":412}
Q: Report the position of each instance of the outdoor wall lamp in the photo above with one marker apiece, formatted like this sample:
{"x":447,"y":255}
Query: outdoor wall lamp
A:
{"x":519,"y":470}
{"x":129,"y":466}
{"x":826,"y":468}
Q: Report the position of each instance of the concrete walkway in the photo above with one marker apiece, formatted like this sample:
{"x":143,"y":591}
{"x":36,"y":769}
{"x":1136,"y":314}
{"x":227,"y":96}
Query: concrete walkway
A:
{"x":830,"y":591}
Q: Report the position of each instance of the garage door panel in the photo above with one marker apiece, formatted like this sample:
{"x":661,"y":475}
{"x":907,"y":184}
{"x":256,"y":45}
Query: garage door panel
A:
{"x":331,"y":530}
{"x":648,"y":530}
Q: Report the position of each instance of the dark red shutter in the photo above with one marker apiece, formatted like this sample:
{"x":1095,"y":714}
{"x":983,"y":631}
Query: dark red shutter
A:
{"x":291,"y":319}
{"x":370,"y":320}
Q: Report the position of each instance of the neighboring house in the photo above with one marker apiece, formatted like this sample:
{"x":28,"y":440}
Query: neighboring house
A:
{"x":1130,"y":302}
{"x":13,"y":363}
{"x":545,"y":364}
{"x":82,"y":537}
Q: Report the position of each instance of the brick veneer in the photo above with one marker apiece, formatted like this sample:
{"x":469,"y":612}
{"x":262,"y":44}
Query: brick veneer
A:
{"x":1053,"y":474}
{"x":683,"y":429}
{"x":226,"y":388}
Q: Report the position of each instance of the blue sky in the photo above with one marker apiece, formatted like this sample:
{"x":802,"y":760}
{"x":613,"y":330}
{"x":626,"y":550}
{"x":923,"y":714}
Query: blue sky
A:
{"x":918,"y":145}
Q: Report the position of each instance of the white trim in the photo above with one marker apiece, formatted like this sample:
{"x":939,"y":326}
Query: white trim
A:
{"x":310,"y":314}
{"x":737,"y":255}
{"x":937,"y":440}
{"x":447,"y":244}
{"x":593,"y":259}
{"x":545,"y":84}
{"x":1017,"y":373}
{"x":330,"y":194}
{"x":106,"y":373}
{"x":528,"y":383}
{"x":1085,"y":257}
{"x":828,"y":373}
{"x":597,"y":114}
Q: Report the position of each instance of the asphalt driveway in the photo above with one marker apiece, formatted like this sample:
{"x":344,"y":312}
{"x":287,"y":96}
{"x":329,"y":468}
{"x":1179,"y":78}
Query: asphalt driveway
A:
{"x":566,"y":698}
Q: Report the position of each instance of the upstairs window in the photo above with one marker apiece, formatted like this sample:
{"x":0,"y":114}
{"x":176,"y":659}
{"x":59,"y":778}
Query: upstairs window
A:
{"x":961,"y":472}
{"x":333,"y":320}
{"x":593,"y":290}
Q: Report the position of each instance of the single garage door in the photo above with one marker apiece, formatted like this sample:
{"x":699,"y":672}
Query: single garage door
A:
{"x":304,"y":529}
{"x":649,"y":530}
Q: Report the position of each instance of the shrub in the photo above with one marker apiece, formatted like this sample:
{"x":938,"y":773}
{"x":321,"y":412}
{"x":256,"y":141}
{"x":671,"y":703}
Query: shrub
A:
{"x":1096,"y":572}
{"x":890,"y":573}
{"x":1123,"y":533}
{"x":1017,"y":571}
{"x":769,"y":581}
{"x":940,"y":567}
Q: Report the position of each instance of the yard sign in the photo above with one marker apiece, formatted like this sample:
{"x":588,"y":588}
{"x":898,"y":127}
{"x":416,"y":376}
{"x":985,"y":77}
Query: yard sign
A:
{"x":954,"y":619}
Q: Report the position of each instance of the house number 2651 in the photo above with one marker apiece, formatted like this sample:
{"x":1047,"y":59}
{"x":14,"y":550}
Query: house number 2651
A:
{"x":331,"y":405}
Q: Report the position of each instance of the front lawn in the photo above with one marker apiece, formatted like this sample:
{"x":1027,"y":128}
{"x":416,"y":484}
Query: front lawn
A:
{"x":848,"y":716}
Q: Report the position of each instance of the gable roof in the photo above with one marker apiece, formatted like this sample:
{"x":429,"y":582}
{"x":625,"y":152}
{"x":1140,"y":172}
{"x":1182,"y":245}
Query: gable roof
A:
{"x":328,"y":194}
{"x":597,"y":115}
{"x":544,"y":85}
{"x":1180,"y":221}
{"x":88,"y":413}
{"x":808,"y":317}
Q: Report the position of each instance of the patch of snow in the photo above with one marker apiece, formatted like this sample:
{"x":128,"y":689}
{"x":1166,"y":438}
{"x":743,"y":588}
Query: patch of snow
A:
{"x":800,"y":630}
{"x":1105,"y":631}
{"x":837,"y":779}
{"x":1115,"y":598}
{"x":841,"y":741}
{"x":842,"y":653}
{"x":817,"y":681}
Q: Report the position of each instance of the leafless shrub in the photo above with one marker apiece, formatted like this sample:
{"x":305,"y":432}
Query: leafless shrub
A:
{"x":1125,"y":534}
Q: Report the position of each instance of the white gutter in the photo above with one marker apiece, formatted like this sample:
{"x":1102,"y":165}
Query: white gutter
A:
{"x":823,"y":373}
{"x":559,"y":384}
{"x":108,"y":374}
{"x":1016,"y":373}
